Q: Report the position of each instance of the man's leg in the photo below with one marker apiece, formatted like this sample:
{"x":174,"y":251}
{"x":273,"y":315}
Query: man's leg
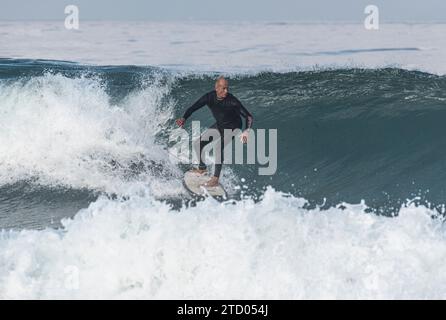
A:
{"x":219,"y":158}
{"x":198,"y":145}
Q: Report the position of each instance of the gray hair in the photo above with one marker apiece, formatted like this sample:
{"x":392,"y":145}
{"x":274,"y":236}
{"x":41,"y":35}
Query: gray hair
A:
{"x":220,"y":78}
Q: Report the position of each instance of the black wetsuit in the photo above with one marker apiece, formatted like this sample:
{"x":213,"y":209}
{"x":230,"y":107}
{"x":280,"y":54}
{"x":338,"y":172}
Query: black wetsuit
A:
{"x":227,"y":112}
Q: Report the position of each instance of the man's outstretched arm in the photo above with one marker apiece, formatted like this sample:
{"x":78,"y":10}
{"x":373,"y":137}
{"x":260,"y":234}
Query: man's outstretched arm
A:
{"x":249,"y":120}
{"x":197,"y":105}
{"x":247,"y":115}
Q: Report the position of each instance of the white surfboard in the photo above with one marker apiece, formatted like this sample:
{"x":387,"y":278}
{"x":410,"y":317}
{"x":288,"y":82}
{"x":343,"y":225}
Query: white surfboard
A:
{"x":193,"y":182}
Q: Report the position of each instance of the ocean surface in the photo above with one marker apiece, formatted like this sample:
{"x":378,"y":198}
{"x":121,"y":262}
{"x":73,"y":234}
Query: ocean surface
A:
{"x":92,"y":205}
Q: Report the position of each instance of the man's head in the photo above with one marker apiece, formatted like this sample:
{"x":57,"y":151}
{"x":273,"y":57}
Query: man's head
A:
{"x":221,"y":87}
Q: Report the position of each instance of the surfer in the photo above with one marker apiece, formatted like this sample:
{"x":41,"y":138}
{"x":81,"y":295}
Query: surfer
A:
{"x":227,"y":111}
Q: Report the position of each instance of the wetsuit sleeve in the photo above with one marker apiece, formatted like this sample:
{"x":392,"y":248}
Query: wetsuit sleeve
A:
{"x":247,"y":115}
{"x":197,"y":105}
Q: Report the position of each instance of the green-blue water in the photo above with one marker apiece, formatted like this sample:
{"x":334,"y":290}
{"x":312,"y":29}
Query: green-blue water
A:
{"x":343,"y":135}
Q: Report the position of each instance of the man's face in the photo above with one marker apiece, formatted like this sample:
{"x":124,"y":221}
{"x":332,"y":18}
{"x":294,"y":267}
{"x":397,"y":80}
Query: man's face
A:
{"x":221,"y":87}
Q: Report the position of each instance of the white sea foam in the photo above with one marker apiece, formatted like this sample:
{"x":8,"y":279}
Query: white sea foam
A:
{"x":65,"y":131}
{"x":274,"y":249}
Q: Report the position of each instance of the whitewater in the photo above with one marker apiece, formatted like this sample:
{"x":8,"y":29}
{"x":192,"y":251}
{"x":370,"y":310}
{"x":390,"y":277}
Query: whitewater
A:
{"x":91,"y":207}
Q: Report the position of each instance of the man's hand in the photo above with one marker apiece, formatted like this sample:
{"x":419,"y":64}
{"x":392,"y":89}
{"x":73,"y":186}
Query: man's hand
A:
{"x":244,"y":136}
{"x":180,"y":122}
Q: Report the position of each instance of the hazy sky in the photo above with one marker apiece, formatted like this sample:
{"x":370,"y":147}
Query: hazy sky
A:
{"x":240,"y":10}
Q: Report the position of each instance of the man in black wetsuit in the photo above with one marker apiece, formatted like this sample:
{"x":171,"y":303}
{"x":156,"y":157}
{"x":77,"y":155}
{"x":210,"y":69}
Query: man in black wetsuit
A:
{"x":227,"y":111}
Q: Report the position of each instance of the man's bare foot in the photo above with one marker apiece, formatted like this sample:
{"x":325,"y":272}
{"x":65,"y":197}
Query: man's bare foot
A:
{"x":199,"y":171}
{"x":213,"y":182}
